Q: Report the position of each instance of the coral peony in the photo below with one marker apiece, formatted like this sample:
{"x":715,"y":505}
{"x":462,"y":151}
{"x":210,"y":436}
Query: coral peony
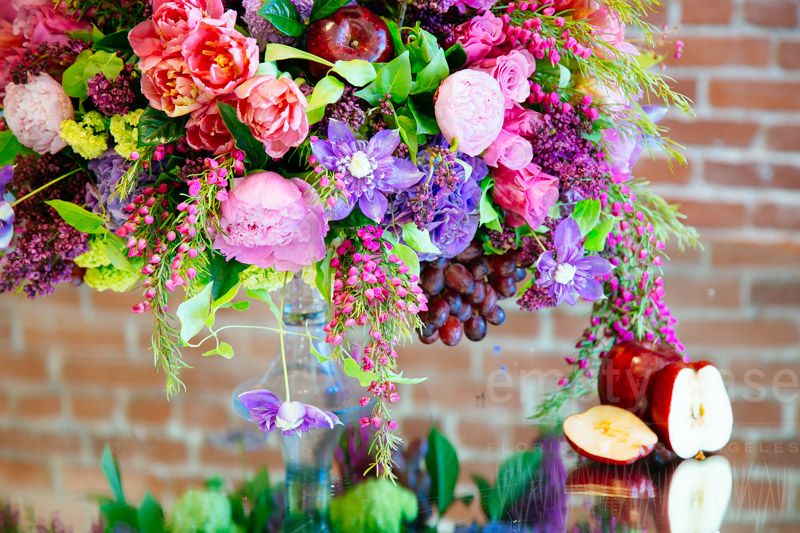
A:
{"x":275,"y":111}
{"x":207,"y":131}
{"x":171,"y":89}
{"x":509,"y":150}
{"x":219,"y":57}
{"x":512,"y":72}
{"x":40,"y":21}
{"x":469,"y":109}
{"x":34,"y":112}
{"x":480,"y":35}
{"x":526,"y":194}
{"x":272,"y":222}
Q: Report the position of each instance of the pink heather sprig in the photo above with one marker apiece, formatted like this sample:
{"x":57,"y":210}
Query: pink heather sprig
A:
{"x":373,"y":289}
{"x":329,"y":185}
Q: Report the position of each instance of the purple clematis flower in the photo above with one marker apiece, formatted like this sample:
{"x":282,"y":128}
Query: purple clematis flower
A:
{"x":6,"y":174}
{"x":569,"y":274}
{"x":368,"y":169}
{"x":291,"y":418}
{"x":6,"y":224}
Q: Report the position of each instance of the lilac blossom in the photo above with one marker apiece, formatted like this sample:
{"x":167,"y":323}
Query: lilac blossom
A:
{"x":367,"y":168}
{"x":569,"y":274}
{"x":291,"y":418}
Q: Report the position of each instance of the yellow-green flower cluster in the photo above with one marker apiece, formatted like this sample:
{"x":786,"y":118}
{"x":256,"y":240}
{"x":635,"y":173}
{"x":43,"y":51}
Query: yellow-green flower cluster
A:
{"x":95,"y":256}
{"x":125,"y":131}
{"x":100,"y":274}
{"x":266,"y":279}
{"x":87,"y":137}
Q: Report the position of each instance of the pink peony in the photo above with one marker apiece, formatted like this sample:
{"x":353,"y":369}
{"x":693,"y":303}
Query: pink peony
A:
{"x":34,"y":112}
{"x":39,"y":21}
{"x":275,"y":111}
{"x":469,"y":108}
{"x":478,"y":5}
{"x":170,"y":88}
{"x":480,"y":35}
{"x":509,"y":150}
{"x":219,"y":57}
{"x":272,"y":222}
{"x":521,"y":121}
{"x":512,"y":72}
{"x":611,"y":30}
{"x":526,"y":194}
{"x":207,"y":131}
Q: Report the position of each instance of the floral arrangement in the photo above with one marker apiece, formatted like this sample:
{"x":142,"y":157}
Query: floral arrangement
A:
{"x":417,"y":161}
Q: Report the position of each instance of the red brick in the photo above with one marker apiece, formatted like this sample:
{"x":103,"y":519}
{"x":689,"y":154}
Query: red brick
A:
{"x":214,"y":457}
{"x":755,"y":94}
{"x":741,"y":174}
{"x":785,"y":137}
{"x":776,"y":293}
{"x":204,"y":414}
{"x":763,"y":415}
{"x":702,"y":292}
{"x":785,"y":176}
{"x":660,"y":171}
{"x":164,"y":451}
{"x":25,"y":367}
{"x":711,"y":214}
{"x":39,"y":405}
{"x":485,"y":437}
{"x":789,"y":54}
{"x":110,"y":373}
{"x":751,"y":254}
{"x":89,"y":407}
{"x":719,"y":51}
{"x":5,"y":403}
{"x":781,"y":453}
{"x":774,"y":215}
{"x":20,"y":475}
{"x":774,"y":13}
{"x":758,"y":495}
{"x":518,"y":323}
{"x":757,"y":333}
{"x":39,"y":444}
{"x":704,"y":132}
{"x":716,"y":12}
{"x":149,"y":410}
{"x":569,"y":326}
{"x":417,"y":359}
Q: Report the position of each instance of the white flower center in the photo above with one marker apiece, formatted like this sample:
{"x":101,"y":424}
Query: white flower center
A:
{"x":565,"y":273}
{"x":287,"y":425}
{"x":359,"y":165}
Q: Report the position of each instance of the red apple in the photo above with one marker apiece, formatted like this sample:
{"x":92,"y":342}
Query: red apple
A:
{"x":626,"y":371}
{"x":609,"y":434}
{"x":690,"y":409}
{"x":353,"y":32}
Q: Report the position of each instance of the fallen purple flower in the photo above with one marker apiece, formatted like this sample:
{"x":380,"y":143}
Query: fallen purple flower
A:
{"x":291,"y":418}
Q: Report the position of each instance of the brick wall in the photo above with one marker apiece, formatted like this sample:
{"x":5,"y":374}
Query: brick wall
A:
{"x":75,"y":372}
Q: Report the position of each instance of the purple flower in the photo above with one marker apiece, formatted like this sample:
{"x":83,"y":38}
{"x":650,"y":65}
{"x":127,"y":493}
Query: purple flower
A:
{"x":569,"y":274}
{"x":6,"y":224}
{"x":291,"y":418}
{"x":6,"y":173}
{"x":368,"y":169}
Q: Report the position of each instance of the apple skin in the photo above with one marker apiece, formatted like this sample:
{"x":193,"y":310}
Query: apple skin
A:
{"x":625,"y":374}
{"x":352,"y":32}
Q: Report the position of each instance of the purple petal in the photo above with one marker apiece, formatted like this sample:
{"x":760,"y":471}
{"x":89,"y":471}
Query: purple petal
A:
{"x":374,"y":208}
{"x":593,"y":265}
{"x":338,"y":132}
{"x":567,"y":238}
{"x":262,"y":406}
{"x":324,"y":150}
{"x":546,"y":263}
{"x":404,"y":174}
{"x":317,"y":418}
{"x":340,"y":209}
{"x":291,"y":417}
{"x":383,"y":143}
{"x":592,"y":290}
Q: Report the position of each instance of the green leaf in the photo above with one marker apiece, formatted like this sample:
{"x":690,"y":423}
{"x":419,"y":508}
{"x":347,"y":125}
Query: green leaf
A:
{"x":243,"y":305}
{"x":225,"y":274}
{"x":357,"y":72}
{"x":430,"y":77}
{"x":488,"y":214}
{"x":87,"y":65}
{"x":325,"y":8}
{"x":114,"y":246}
{"x":328,"y":90}
{"x":114,"y":42}
{"x":408,"y":131}
{"x":224,"y":349}
{"x":267,"y":69}
{"x":193,"y":313}
{"x":284,"y":16}
{"x":243,"y":137}
{"x":564,"y":75}
{"x":316,"y":353}
{"x":397,"y":39}
{"x":322,"y":279}
{"x":150,"y":517}
{"x":456,"y":56}
{"x":78,"y":217}
{"x":596,"y":238}
{"x":115,"y":513}
{"x":352,"y":369}
{"x":426,"y":124}
{"x":108,"y":464}
{"x":515,"y":476}
{"x":155,"y":128}
{"x":399,"y":379}
{"x":408,"y":256}
{"x":277,"y":52}
{"x":263,"y":296}
{"x":586,"y":214}
{"x":225,"y":300}
{"x":419,"y":239}
{"x":394,"y":78}
{"x":488,"y":498}
{"x":422,"y":47}
{"x":441,"y":462}
{"x":10,"y":147}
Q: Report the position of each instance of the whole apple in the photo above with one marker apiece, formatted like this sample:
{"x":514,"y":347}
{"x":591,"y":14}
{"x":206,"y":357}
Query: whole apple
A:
{"x":353,"y":32}
{"x":625,"y":374}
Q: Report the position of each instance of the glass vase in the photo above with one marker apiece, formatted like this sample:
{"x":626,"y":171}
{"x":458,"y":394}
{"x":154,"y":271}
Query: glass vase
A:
{"x":312,"y":381}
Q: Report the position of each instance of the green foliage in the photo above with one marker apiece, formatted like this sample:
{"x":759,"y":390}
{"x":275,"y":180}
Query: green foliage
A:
{"x":326,"y":8}
{"x":374,"y":506}
{"x":328,"y":90}
{"x":10,"y":147}
{"x":193,"y":313}
{"x":586,"y":214}
{"x":441,"y":462}
{"x":155,"y":128}
{"x":357,"y":72}
{"x":419,"y":239}
{"x":596,"y":238}
{"x":278,"y":52}
{"x":86,"y":66}
{"x":408,"y":256}
{"x":393,"y":78}
{"x":514,"y":479}
{"x":431,"y":76}
{"x":202,"y":510}
{"x":284,"y":16}
{"x":243,"y":137}
{"x":489,"y":216}
{"x":114,"y":42}
{"x":78,"y":217}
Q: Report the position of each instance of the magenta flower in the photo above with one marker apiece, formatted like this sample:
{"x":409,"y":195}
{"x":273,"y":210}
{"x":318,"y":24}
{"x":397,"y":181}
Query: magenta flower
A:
{"x":291,"y":418}
{"x":569,"y":274}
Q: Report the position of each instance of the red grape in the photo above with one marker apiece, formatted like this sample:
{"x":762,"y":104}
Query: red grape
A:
{"x":459,"y":278}
{"x":430,"y":339}
{"x":475,"y":328}
{"x":438,"y":310}
{"x":432,"y":280}
{"x":451,"y":331}
{"x":479,"y":267}
{"x":497,"y":316}
{"x":478,"y":294}
{"x":465,"y":312}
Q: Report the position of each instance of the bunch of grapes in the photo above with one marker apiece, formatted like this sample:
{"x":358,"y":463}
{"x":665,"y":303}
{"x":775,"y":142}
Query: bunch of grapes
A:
{"x":463,"y":293}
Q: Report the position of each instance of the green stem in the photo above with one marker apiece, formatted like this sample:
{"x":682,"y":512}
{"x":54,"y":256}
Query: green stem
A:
{"x":46,"y":185}
{"x":280,"y":336}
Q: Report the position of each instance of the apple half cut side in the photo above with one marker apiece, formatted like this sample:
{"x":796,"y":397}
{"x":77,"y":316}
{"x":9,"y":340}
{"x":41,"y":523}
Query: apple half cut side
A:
{"x":610,"y":435}
{"x":698,"y":494}
{"x":690,"y":408}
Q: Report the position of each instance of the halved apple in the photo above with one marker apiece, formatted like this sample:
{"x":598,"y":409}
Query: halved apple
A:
{"x":690,"y":408}
{"x":609,"y":434}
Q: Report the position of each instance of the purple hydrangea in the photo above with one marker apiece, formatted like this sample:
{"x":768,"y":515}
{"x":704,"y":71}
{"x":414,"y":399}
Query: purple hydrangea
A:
{"x":108,"y":169}
{"x":291,"y":418}
{"x":367,"y":168}
{"x":569,"y":274}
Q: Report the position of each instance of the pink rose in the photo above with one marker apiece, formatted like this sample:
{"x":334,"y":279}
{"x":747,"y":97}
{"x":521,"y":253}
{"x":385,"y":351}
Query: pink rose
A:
{"x":170,"y":88}
{"x":39,"y":21}
{"x":207,"y":131}
{"x":526,"y":194}
{"x":480,"y":35}
{"x":275,"y":111}
{"x":272,"y":222}
{"x":219,"y":57}
{"x":512,"y":72}
{"x":509,"y":150}
{"x":11,"y":49}
{"x":521,"y":121}
{"x":469,"y":108}
{"x":34,"y":113}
